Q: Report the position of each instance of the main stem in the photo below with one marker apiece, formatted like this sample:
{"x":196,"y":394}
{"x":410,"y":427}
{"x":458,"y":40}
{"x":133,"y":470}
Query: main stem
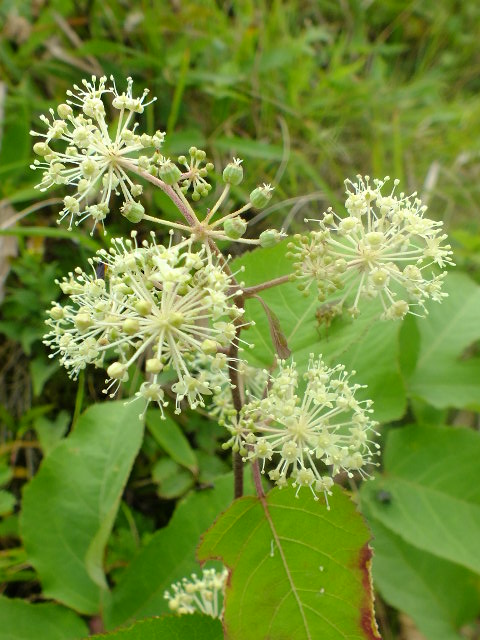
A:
{"x":237,"y":404}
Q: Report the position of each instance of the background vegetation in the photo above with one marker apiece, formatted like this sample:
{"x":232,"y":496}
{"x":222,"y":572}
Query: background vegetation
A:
{"x":308,"y":93}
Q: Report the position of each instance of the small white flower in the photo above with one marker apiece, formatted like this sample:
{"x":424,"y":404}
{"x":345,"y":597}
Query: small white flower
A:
{"x":94,"y":159}
{"x":157,"y":304}
{"x":385,"y":245}
{"x":204,"y":595}
{"x":324,"y":424}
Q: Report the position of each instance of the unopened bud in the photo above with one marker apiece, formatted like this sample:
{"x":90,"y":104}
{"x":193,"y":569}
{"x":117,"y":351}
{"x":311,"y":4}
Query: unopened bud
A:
{"x":260,"y":196}
{"x":234,"y":228}
{"x":169,"y":172}
{"x":270,"y":238}
{"x":64,"y":110}
{"x":153,"y":365}
{"x":133,"y":211}
{"x":233,"y":172}
{"x":117,"y":371}
{"x":131,"y":326}
{"x":83,"y":321}
{"x":41,"y":149}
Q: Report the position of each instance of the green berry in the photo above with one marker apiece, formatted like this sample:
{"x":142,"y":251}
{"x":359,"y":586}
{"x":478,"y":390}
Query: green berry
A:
{"x":260,"y":196}
{"x":233,"y":172}
{"x":169,"y":172}
{"x":133,"y":211}
{"x":235,"y":228}
{"x":270,"y":238}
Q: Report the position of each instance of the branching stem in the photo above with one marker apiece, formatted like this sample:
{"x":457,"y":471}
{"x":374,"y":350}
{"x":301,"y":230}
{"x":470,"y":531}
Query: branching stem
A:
{"x":249,"y":292}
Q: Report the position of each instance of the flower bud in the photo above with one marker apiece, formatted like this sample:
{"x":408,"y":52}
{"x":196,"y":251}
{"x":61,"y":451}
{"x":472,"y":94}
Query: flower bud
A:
{"x":260,"y":196}
{"x":133,"y":211}
{"x":153,"y":365}
{"x":270,"y":238}
{"x":131,"y":326}
{"x":375,"y":238}
{"x":235,"y":228}
{"x":397,"y":311}
{"x":56,"y":312}
{"x":83,"y":321}
{"x":169,"y":172}
{"x":144,"y":162}
{"x":41,"y":149}
{"x":379,"y":278}
{"x":143,"y":307}
{"x":209,"y":346}
{"x":64,"y":110}
{"x":117,"y":371}
{"x":233,"y":172}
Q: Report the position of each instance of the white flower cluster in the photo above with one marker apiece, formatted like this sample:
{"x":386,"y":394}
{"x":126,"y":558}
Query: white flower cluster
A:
{"x":324,"y":424}
{"x":95,"y":159}
{"x":204,"y":595}
{"x":158,"y":305}
{"x":383,"y":246}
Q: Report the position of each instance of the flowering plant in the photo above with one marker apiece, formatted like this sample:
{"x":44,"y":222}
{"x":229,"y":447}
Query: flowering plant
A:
{"x":176,"y":311}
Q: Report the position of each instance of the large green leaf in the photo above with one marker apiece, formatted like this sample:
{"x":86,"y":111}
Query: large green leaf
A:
{"x":168,"y":557}
{"x":438,"y":595}
{"x":171,"y":438}
{"x":21,"y":620}
{"x":446,"y":375}
{"x":193,"y":627}
{"x":70,"y":505}
{"x":432,"y":491}
{"x":298,"y":571}
{"x":366,"y":344}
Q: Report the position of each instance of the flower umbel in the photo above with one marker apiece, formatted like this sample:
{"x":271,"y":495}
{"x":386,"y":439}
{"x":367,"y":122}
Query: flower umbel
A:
{"x":325,"y":423}
{"x":94,"y":159}
{"x":384,"y":245}
{"x":203,"y":594}
{"x":158,"y":305}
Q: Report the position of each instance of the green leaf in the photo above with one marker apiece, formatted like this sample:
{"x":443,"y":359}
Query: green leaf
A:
{"x":172,"y":439}
{"x":248,"y":148}
{"x":70,"y":505}
{"x":446,"y":375}
{"x":168,"y":557}
{"x":431,"y":476}
{"x":41,"y":370}
{"x":50,"y":232}
{"x":299,"y":571}
{"x":194,"y":627}
{"x":438,"y":595}
{"x":173,"y":481}
{"x":51,"y":432}
{"x":24,"y":621}
{"x":210,"y":467}
{"x":7,"y":502}
{"x":367,"y":344}
{"x":5,"y":473}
